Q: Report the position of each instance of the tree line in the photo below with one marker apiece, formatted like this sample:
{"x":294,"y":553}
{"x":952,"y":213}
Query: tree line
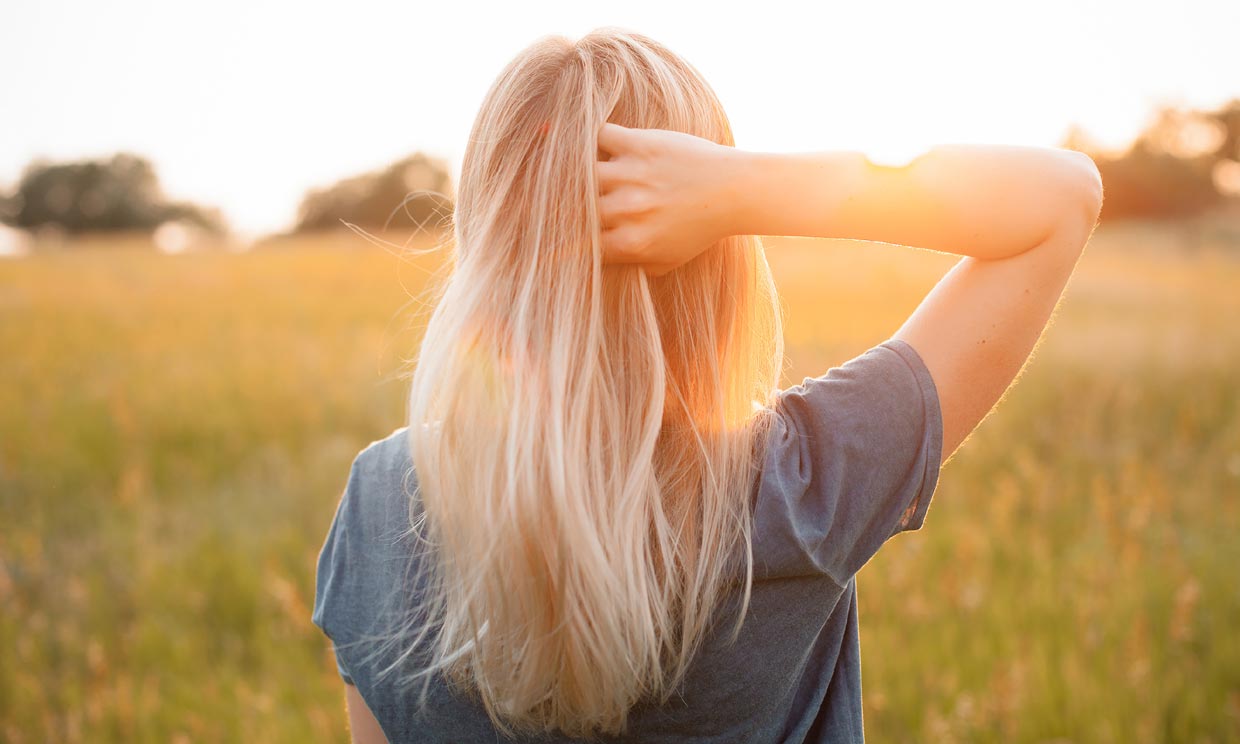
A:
{"x":122,"y":193}
{"x":1183,"y":163}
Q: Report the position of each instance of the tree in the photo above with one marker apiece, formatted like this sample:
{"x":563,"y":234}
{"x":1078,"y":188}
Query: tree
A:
{"x":1173,"y":167}
{"x":413,"y":192}
{"x":121,"y":193}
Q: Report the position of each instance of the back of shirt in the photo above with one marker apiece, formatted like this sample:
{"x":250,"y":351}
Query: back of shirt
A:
{"x":852,"y":459}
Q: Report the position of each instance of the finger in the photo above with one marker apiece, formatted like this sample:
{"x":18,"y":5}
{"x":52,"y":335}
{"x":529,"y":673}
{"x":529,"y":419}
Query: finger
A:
{"x":611,"y":209}
{"x":614,"y":139}
{"x":608,"y":174}
{"x":619,"y":247}
{"x":608,"y":221}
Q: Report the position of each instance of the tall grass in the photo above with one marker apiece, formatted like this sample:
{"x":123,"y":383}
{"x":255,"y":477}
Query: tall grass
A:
{"x":175,"y":432}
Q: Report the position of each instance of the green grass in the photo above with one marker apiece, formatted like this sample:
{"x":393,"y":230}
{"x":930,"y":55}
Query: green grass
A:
{"x":175,"y":431}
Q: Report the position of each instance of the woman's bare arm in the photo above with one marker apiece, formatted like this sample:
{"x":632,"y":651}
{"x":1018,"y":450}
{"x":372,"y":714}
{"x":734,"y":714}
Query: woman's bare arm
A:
{"x":1020,"y":216}
{"x":362,"y":723}
{"x":983,"y":201}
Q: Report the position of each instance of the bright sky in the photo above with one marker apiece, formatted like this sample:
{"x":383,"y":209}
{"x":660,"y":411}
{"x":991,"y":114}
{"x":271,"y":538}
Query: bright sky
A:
{"x":246,"y":104}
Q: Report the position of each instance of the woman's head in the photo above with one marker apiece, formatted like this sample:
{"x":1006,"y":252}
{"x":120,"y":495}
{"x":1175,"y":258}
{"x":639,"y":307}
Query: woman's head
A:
{"x":584,"y":435}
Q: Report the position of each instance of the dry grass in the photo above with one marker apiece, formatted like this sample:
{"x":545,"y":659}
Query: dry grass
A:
{"x":175,"y":431}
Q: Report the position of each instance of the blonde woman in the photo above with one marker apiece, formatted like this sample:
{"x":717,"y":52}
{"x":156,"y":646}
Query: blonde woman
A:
{"x":604,"y":520}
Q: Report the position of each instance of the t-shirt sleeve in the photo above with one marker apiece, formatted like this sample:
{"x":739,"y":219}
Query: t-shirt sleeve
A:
{"x":852,"y":459}
{"x":333,"y":583}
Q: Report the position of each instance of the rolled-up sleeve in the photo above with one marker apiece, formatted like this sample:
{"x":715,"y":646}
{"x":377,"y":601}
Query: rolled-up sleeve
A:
{"x":852,"y":459}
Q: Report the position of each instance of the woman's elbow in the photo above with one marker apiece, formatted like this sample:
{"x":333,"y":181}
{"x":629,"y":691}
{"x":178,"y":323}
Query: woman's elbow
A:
{"x":1077,"y":199}
{"x":1087,"y":189}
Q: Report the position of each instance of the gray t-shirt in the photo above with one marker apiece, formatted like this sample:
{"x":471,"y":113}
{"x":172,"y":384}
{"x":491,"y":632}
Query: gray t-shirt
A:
{"x":853,"y":459}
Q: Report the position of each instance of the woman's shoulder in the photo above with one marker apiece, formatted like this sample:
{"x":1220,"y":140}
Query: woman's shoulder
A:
{"x":367,"y":542}
{"x":382,"y":456}
{"x":367,"y":551}
{"x":853,"y":458}
{"x":381,"y":481}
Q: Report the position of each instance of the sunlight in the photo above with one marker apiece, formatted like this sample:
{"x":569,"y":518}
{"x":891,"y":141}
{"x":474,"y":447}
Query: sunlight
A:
{"x":894,"y":153}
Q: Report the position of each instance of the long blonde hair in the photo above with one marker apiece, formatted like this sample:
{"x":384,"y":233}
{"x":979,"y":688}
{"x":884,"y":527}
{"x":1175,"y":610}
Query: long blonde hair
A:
{"x":585,"y":437}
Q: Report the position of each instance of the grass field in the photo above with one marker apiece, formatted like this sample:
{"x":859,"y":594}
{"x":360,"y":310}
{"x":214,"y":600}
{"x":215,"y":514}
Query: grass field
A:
{"x":175,"y":432}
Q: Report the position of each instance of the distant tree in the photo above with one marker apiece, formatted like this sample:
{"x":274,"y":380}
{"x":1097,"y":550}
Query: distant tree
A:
{"x":121,"y":193}
{"x":1228,"y":117}
{"x":8,"y":208}
{"x":1172,"y":169}
{"x":210,"y":219}
{"x":414,"y":192}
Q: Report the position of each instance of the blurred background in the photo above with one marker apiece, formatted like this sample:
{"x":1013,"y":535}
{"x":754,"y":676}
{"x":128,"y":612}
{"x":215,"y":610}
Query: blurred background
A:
{"x":193,"y":346}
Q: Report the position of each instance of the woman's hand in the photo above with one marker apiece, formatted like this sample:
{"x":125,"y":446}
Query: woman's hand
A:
{"x":665,"y":196}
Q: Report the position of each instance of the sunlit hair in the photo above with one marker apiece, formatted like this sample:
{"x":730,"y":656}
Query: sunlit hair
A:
{"x":585,"y":437}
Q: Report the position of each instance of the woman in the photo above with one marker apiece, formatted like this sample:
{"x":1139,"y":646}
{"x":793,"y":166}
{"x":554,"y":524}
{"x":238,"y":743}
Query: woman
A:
{"x":603,"y":518}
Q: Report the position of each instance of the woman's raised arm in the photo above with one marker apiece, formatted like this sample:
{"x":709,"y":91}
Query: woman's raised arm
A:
{"x":1019,"y":215}
{"x":667,"y":195}
{"x":984,"y":201}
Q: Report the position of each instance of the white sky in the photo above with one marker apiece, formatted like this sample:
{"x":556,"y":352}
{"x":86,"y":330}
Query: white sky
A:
{"x":245,"y":105}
